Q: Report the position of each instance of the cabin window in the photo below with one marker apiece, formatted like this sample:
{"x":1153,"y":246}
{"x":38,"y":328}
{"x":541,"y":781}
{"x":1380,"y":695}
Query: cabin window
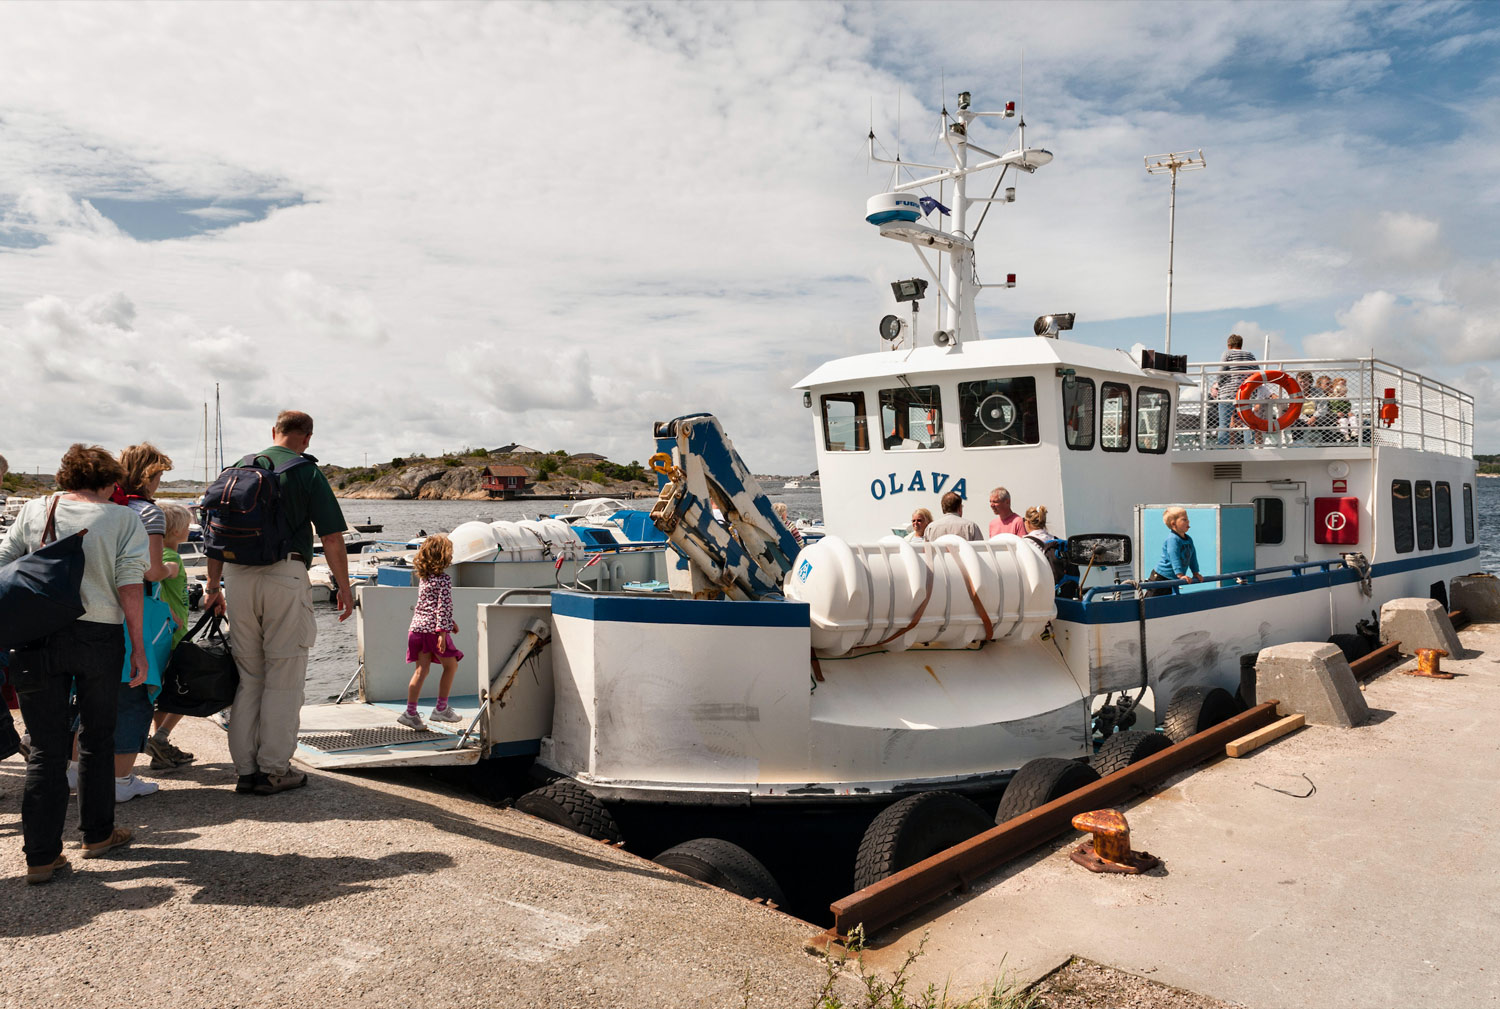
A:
{"x":1468,"y":513}
{"x":911,"y":417}
{"x":1114,"y":418}
{"x":1401,"y":526}
{"x":1153,"y":409}
{"x":1078,"y":412}
{"x":998,"y":411}
{"x":1270,"y":520}
{"x":1442,"y":499}
{"x":1424,"y":514}
{"x":844,"y":422}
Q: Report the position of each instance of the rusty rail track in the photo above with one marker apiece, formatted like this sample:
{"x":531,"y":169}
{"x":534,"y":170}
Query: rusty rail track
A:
{"x":1366,"y":667}
{"x":910,"y":889}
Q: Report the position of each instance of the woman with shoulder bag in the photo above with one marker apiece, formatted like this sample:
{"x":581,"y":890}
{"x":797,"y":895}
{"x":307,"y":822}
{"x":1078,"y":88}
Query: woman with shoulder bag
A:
{"x":85,"y":658}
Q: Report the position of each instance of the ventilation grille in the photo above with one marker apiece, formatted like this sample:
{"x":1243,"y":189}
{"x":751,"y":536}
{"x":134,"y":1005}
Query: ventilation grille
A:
{"x":1229,"y":470}
{"x":359,"y":739}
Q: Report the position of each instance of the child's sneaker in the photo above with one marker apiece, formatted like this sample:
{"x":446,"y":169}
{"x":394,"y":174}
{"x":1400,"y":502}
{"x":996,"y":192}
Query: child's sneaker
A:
{"x":130,"y":787}
{"x":445,"y":715}
{"x":165,"y":755}
{"x":410,"y":720}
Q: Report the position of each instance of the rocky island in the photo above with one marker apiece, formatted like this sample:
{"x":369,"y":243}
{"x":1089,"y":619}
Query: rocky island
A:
{"x":463,"y":476}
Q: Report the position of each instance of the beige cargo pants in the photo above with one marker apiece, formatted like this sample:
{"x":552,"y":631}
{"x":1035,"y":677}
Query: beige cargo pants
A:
{"x":271,"y":628}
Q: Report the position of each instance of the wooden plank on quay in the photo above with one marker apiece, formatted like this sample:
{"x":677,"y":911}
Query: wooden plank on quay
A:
{"x":1260,"y":737}
{"x":901,"y":893}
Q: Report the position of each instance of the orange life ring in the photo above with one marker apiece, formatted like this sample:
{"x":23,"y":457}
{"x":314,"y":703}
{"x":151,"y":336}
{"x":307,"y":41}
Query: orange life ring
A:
{"x":1251,"y":385}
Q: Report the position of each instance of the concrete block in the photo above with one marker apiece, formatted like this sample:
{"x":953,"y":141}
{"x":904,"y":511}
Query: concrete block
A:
{"x":1312,"y":679}
{"x":1418,"y":623}
{"x":1478,"y":595}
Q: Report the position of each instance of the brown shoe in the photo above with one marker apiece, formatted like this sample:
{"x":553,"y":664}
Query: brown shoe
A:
{"x":43,"y":873}
{"x":270,"y":784}
{"x":118,"y":839}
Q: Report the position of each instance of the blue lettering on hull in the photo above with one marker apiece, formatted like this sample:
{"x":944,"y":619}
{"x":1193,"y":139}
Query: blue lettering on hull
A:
{"x":890,"y":485}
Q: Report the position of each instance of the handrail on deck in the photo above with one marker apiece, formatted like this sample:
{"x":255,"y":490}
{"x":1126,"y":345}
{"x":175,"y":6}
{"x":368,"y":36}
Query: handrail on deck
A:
{"x":1240,"y":577}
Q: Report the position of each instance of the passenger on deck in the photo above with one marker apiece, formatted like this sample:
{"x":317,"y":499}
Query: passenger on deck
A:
{"x":1322,"y":414}
{"x":779,"y":507}
{"x":1302,"y":429}
{"x":430,"y":635}
{"x":1229,"y":382}
{"x":953,"y":522}
{"x":1341,"y":411}
{"x":1179,"y":558}
{"x":920,"y":520}
{"x":1005,"y":520}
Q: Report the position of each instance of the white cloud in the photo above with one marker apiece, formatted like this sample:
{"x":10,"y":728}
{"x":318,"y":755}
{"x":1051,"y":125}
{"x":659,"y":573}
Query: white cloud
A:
{"x":1350,"y":71}
{"x":556,"y":224}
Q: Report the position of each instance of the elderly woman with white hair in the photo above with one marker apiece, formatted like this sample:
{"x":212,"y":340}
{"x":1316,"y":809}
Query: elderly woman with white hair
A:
{"x":1179,"y":558}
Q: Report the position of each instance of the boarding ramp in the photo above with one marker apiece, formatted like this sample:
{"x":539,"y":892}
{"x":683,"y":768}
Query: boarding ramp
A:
{"x":744,"y":551}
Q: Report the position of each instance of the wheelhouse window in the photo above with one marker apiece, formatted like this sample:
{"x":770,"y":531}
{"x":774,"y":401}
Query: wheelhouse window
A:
{"x":844,"y":422}
{"x":1401,"y":523}
{"x":1153,"y":410}
{"x":1424,"y":514}
{"x":1468,"y":513}
{"x":1114,"y":418}
{"x":1078,"y":412}
{"x":1442,"y":498}
{"x":911,"y":417}
{"x":1270,"y":520}
{"x":998,"y":411}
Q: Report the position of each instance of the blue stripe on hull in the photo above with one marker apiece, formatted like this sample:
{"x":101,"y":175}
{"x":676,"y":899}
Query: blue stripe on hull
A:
{"x":1126,"y":611}
{"x":696,"y":612}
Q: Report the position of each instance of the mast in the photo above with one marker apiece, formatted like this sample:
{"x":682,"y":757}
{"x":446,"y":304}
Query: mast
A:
{"x":218,"y":426}
{"x":205,"y":443}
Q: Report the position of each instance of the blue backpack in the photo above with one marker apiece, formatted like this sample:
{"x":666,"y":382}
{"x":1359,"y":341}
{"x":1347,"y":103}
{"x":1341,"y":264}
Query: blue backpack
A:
{"x":243,"y":518}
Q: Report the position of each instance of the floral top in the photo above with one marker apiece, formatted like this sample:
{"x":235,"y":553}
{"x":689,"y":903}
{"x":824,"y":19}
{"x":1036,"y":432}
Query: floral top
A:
{"x":434,"y":610}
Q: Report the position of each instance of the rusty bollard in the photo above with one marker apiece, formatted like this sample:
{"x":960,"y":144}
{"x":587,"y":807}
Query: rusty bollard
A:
{"x":1110,"y":849}
{"x":1428,"y":665}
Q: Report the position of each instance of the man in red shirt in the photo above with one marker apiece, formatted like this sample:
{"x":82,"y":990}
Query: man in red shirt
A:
{"x":1005,"y":520}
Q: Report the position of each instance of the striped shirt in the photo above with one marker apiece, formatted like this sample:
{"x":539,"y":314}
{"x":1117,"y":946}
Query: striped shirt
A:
{"x":1230,"y":378}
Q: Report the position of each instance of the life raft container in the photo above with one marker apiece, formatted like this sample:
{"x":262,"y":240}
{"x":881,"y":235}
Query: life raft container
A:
{"x":1245,"y":401}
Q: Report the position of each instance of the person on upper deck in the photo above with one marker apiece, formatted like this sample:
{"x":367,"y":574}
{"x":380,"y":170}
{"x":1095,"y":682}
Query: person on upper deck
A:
{"x":1005,"y":520}
{"x":920,"y":520}
{"x":1229,"y":381}
{"x":1179,"y":558}
{"x":953,"y":522}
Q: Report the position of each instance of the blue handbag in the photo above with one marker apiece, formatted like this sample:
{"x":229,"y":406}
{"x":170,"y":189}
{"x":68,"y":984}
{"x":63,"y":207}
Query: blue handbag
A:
{"x":40,"y":591}
{"x":157,"y":626}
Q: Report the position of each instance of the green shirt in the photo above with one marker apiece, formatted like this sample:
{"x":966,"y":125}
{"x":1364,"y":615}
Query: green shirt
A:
{"x":308,"y":500}
{"x":174,"y":593}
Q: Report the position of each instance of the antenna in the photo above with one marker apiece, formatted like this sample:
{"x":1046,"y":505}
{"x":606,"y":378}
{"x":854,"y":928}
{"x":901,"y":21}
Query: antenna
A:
{"x":1160,"y":164}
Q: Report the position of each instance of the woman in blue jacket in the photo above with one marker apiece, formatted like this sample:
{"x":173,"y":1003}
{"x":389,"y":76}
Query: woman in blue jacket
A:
{"x":1179,"y":559}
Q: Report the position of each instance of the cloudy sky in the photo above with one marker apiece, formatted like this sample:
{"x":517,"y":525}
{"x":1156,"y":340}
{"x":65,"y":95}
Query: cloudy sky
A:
{"x":447,"y":225}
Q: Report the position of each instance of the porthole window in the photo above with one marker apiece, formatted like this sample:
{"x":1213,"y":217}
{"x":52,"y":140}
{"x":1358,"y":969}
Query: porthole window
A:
{"x":1401,"y":521}
{"x":911,"y":418}
{"x":1153,"y":411}
{"x":1078,"y":412}
{"x":998,"y":411}
{"x":1442,"y":501}
{"x":1270,"y":520}
{"x":1424,"y":514}
{"x":844,"y":422}
{"x":1114,"y":418}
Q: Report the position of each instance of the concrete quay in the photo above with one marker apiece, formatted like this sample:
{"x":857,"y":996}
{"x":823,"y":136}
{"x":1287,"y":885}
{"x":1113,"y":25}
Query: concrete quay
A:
{"x":369,"y":891}
{"x":1380,"y":889}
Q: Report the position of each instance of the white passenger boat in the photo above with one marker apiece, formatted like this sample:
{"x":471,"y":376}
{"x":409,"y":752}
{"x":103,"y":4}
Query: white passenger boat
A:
{"x":868,"y":667}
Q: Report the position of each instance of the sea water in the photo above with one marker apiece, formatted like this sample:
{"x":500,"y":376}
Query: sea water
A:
{"x":335,"y":656}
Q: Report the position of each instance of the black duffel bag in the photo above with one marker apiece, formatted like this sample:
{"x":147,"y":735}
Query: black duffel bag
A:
{"x":201,"y":677}
{"x":39,"y":591}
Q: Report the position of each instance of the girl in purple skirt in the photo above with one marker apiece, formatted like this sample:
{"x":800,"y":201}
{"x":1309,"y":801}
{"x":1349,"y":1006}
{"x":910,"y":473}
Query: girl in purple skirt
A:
{"x":432,"y":629}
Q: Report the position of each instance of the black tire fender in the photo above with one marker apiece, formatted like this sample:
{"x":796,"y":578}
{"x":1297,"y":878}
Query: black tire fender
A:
{"x":1040,"y":781}
{"x":1193,"y":709}
{"x":568,"y":804}
{"x":725,"y":865}
{"x":1124,"y":748}
{"x":915,"y":828}
{"x":1354,"y":646}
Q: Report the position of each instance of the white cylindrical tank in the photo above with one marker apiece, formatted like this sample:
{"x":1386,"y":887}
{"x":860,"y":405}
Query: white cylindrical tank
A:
{"x":474,"y":541}
{"x":516,"y":544}
{"x":868,"y":594}
{"x":561,"y":539}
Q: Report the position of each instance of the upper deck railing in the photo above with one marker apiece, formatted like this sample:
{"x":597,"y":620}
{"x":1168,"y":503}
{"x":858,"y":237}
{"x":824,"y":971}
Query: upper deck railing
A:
{"x":1344,"y":405}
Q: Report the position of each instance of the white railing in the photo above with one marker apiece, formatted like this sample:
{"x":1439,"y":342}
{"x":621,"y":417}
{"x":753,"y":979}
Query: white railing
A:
{"x":1344,"y":405}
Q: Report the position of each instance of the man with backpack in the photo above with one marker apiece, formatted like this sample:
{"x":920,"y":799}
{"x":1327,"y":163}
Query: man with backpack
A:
{"x":258,"y":531}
